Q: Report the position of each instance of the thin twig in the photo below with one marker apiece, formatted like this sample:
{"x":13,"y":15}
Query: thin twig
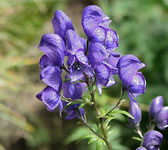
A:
{"x":118,"y":103}
{"x":87,"y":125}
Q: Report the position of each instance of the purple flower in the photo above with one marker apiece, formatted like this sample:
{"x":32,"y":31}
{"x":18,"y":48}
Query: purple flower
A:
{"x":53,"y":46}
{"x":155,"y":106}
{"x":93,"y":17}
{"x":135,"y":111}
{"x":152,"y":140}
{"x":132,"y":80}
{"x":52,"y":77}
{"x":95,"y":24}
{"x":51,"y":98}
{"x":141,"y":148}
{"x":161,"y":118}
{"x":73,"y":90}
{"x":104,"y":76}
{"x":61,"y":23}
{"x":96,"y":54}
{"x":77,"y":61}
{"x":73,"y":111}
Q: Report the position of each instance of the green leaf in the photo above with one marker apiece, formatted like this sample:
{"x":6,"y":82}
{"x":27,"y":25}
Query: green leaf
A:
{"x":137,"y":138}
{"x":117,"y":111}
{"x":78,"y":101}
{"x":77,"y":134}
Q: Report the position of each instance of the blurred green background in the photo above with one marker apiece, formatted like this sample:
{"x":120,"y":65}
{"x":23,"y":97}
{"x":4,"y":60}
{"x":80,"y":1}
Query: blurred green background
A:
{"x":25,"y":124}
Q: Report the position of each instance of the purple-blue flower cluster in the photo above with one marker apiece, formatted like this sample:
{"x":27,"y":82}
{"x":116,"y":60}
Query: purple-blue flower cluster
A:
{"x":158,"y":116}
{"x":93,"y":59}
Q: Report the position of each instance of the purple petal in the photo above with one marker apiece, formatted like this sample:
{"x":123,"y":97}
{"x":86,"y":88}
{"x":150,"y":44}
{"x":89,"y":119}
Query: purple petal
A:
{"x":102,"y":76}
{"x":53,"y":46}
{"x":73,"y":91}
{"x":137,"y":85}
{"x":99,"y":86}
{"x":155,"y":106}
{"x":50,"y":98}
{"x":111,"y":82}
{"x":112,"y":40}
{"x":45,"y":61}
{"x":80,"y":56}
{"x":113,"y":59}
{"x":61,"y":23}
{"x":96,"y":54}
{"x":135,"y":111}
{"x":92,"y":17}
{"x":98,"y":35}
{"x":161,"y":118}
{"x":73,"y":42}
{"x":76,"y":75}
{"x":152,"y":139}
{"x":52,"y":77}
{"x":128,"y":66}
{"x":71,"y":60}
{"x":84,"y":43}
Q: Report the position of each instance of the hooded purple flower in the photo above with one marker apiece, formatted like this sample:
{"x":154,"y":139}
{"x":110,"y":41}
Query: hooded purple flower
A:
{"x":73,"y":90}
{"x":51,"y":98}
{"x":152,"y":140}
{"x":104,"y":76}
{"x":132,"y":80}
{"x":96,"y":54}
{"x":73,"y":111}
{"x":161,"y":118}
{"x":95,"y":24}
{"x":52,"y":77}
{"x":155,"y":106}
{"x":77,"y":61}
{"x":61,"y":23}
{"x":141,"y":148}
{"x":53,"y":46}
{"x":135,"y":111}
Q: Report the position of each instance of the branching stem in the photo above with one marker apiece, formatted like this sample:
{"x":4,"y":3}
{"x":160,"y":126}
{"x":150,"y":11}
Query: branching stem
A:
{"x":117,"y":104}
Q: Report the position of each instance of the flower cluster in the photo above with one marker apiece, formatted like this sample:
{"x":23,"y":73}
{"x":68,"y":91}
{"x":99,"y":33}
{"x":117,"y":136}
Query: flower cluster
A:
{"x":90,"y":60}
{"x":72,"y":65}
{"x":158,"y":116}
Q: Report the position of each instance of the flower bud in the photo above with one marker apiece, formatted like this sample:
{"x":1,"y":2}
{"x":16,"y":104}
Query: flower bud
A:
{"x":155,"y":106}
{"x":135,"y":111}
{"x":152,"y":140}
{"x":161,"y":118}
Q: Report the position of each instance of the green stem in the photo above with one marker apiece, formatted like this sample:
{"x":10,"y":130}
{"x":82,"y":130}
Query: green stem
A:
{"x":117,"y":104}
{"x":87,"y":125}
{"x":101,"y":120}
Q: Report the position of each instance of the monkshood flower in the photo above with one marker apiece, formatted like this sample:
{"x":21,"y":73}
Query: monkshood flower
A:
{"x":51,"y":98}
{"x":104,"y":77}
{"x":53,"y":46}
{"x":51,"y":76}
{"x":103,"y":65}
{"x":132,"y":80}
{"x":135,"y":111}
{"x":61,"y":23}
{"x":152,"y":140}
{"x":141,"y":148}
{"x":95,"y":25}
{"x":77,"y":61}
{"x":73,"y":90}
{"x":161,"y":118}
{"x":73,"y":111}
{"x":155,"y":106}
